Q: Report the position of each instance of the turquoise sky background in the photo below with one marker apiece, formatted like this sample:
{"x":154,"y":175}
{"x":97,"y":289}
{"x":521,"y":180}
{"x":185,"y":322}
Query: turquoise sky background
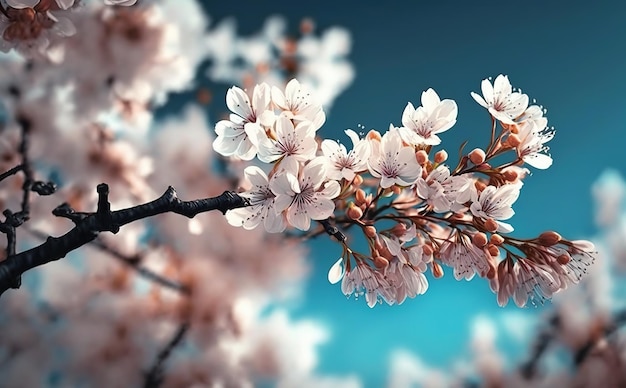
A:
{"x":570,"y":56}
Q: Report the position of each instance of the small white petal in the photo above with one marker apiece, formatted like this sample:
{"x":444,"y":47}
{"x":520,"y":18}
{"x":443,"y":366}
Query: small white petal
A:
{"x":336,"y":272}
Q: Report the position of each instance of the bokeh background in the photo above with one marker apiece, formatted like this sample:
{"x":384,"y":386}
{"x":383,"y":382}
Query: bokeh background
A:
{"x":570,"y":57}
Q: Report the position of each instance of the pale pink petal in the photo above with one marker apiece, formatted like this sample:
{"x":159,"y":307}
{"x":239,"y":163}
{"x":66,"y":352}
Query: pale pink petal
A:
{"x":335,"y":274}
{"x":20,"y":4}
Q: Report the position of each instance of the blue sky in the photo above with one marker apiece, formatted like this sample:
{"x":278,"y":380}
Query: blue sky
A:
{"x":571,"y":57}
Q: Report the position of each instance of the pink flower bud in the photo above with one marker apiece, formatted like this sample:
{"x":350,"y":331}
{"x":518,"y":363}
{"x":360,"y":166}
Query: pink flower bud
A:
{"x":360,"y":196}
{"x":422,"y":157}
{"x":374,"y":135}
{"x":370,"y":231}
{"x":357,"y":181}
{"x":549,"y":238}
{"x":441,"y":156}
{"x":491,"y":225}
{"x":479,"y":239}
{"x":493,"y":250}
{"x":513,"y":140}
{"x":380,"y":262}
{"x":510,"y":175}
{"x":354,"y":212}
{"x":477,"y":156}
{"x":563,"y":259}
{"x":437,"y":270}
{"x":399,"y":229}
{"x":496,"y":239}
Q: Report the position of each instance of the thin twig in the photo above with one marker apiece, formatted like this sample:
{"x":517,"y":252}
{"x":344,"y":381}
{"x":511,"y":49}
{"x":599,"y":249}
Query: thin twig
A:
{"x":154,"y":377}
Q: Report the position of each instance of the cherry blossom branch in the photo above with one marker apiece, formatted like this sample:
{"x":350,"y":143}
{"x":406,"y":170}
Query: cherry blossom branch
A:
{"x":332,"y":230}
{"x":14,"y":220}
{"x":11,"y":172}
{"x":105,"y":220}
{"x":154,"y":377}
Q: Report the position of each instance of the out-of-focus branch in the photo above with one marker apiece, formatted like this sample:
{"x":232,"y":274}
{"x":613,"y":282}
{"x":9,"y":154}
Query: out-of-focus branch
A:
{"x":87,"y":229}
{"x":619,"y":319}
{"x":154,"y":377}
{"x":132,"y":261}
{"x":541,"y":344}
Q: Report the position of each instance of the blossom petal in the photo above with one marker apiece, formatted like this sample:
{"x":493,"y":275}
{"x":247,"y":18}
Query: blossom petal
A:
{"x":335,"y":274}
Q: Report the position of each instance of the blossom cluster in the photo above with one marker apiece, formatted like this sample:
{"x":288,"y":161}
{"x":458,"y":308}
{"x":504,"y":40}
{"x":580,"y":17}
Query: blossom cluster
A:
{"x":78,"y":103}
{"x":414,"y":210}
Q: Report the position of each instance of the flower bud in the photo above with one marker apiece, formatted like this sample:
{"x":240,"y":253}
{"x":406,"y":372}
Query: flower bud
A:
{"x":563,"y":259}
{"x":496,"y":239}
{"x":354,"y":212}
{"x":374,"y":135}
{"x":477,"y":156}
{"x":480,"y":186}
{"x":441,"y":156}
{"x":358,"y":180}
{"x":437,"y":270}
{"x":513,"y":140}
{"x":493,"y":250}
{"x":491,"y":225}
{"x":360,"y":196}
{"x":510,"y":175}
{"x":479,"y":239}
{"x":422,"y":157}
{"x":427,"y":250}
{"x":399,"y":229}
{"x":396,"y":189}
{"x":380,"y":262}
{"x":370,"y":231}
{"x":549,"y":238}
{"x":491,"y":273}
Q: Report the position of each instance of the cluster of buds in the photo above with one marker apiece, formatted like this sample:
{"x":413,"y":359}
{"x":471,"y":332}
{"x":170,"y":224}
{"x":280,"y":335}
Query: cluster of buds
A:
{"x":415,"y":211}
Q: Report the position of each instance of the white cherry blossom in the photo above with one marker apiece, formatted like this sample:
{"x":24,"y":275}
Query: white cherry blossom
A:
{"x":125,"y":3}
{"x":405,"y":280}
{"x":238,"y":135}
{"x":533,"y":134}
{"x":421,"y":125}
{"x":363,"y":279}
{"x":305,"y":196}
{"x":299,"y":103}
{"x":262,"y":209}
{"x":445,"y":192}
{"x":344,"y":164}
{"x":458,"y":252}
{"x":293,"y":144}
{"x":392,"y":162}
{"x":499,"y":98}
{"x":495,"y":202}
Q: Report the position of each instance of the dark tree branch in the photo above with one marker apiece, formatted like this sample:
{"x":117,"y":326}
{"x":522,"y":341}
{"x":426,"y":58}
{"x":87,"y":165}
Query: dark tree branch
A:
{"x":10,"y":172}
{"x":332,"y":230}
{"x":154,"y":377}
{"x":87,"y":229}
